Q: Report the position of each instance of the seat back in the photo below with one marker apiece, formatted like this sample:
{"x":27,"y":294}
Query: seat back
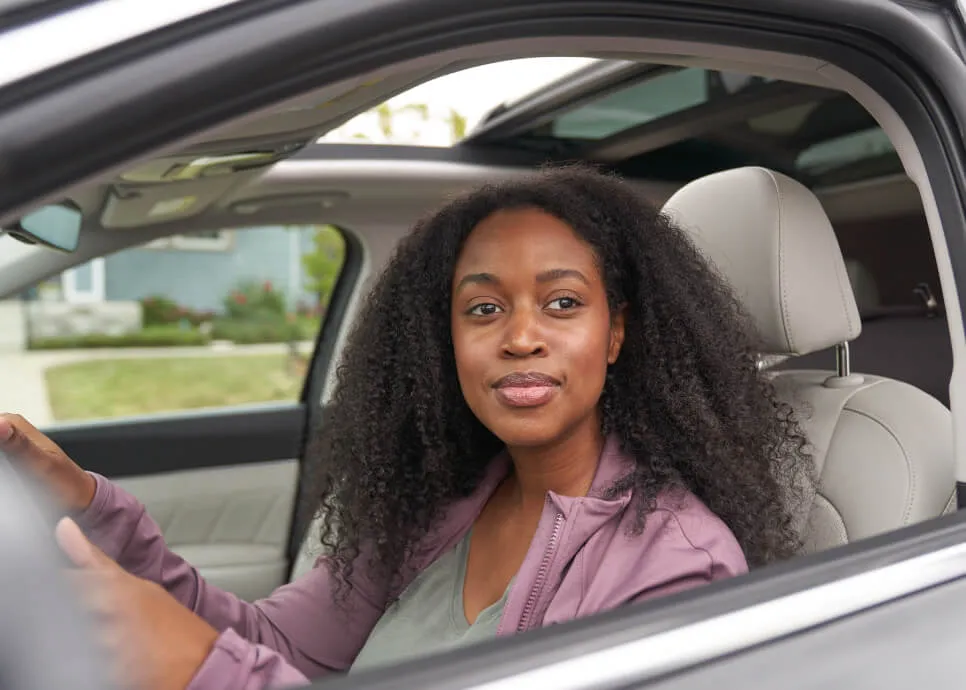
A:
{"x":883,"y":449}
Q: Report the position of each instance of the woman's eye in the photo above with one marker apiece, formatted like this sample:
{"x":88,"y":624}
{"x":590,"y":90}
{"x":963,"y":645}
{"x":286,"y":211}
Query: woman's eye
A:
{"x":485,"y":309}
{"x":564,"y":303}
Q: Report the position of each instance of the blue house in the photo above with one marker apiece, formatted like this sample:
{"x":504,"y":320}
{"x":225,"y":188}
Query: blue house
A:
{"x":198,"y":271}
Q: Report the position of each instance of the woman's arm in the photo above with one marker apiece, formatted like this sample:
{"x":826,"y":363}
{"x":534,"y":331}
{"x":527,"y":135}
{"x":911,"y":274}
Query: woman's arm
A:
{"x":296,"y":633}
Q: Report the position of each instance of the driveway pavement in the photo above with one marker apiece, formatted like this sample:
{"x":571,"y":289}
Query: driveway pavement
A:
{"x":23,"y":389}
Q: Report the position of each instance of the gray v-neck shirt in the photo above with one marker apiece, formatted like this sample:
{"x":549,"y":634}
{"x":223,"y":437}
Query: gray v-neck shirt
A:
{"x":428,"y":617}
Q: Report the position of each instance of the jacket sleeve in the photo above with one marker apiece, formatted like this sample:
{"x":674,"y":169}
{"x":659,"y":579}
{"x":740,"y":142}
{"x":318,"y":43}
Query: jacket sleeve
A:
{"x":300,"y":632}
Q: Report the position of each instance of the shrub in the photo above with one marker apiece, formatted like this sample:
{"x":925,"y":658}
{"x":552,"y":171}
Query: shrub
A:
{"x":160,"y":311}
{"x":255,"y":301}
{"x":157,"y":311}
{"x":153,"y":336}
{"x":309,"y":311}
{"x":250,"y":332}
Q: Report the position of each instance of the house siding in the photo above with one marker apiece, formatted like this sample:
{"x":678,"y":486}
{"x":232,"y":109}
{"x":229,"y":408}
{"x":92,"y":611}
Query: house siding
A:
{"x":200,"y":279}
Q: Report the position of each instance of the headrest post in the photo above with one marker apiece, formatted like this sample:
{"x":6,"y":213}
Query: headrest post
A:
{"x":843,"y":367}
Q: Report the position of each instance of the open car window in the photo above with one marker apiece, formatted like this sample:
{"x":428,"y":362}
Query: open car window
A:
{"x":817,"y":135}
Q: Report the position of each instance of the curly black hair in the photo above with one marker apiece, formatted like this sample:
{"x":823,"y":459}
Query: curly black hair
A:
{"x":685,"y":397}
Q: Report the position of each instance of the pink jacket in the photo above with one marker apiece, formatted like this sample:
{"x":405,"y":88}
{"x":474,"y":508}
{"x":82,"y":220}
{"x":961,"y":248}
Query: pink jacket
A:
{"x":582,"y":561}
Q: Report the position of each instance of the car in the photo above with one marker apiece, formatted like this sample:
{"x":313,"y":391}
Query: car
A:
{"x":129,"y":131}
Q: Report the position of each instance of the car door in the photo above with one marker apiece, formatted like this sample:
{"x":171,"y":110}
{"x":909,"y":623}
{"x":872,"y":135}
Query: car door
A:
{"x":906,"y":61}
{"x":883,"y":615}
{"x":207,"y":432}
{"x":221,"y":479}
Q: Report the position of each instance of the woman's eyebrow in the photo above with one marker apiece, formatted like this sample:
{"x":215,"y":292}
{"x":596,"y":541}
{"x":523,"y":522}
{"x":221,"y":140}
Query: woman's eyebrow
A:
{"x":559,"y":273}
{"x":542,"y":277}
{"x":477,"y":279}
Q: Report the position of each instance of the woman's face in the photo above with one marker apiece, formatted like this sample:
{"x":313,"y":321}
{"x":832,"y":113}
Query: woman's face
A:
{"x":532,"y":331}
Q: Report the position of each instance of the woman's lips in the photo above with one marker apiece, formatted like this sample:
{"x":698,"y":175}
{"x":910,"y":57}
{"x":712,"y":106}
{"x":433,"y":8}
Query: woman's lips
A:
{"x":526,"y":396}
{"x":526,"y":389}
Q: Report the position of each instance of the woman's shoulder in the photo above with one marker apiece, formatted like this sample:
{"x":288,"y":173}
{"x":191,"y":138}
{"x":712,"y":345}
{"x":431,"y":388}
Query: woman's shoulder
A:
{"x":687,"y":518}
{"x":684,"y":535}
{"x":683,"y":545}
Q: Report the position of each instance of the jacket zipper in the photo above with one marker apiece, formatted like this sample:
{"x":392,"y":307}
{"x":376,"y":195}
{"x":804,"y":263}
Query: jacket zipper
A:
{"x":542,"y":572}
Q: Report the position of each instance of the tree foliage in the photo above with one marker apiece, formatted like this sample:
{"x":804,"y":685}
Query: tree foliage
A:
{"x":323,"y":264}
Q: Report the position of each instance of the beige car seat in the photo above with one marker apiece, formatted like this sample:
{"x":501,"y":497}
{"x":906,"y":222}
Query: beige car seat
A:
{"x":883,"y":449}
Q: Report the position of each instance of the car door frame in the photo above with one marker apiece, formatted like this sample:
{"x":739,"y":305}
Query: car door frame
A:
{"x":898,"y":58}
{"x":679,"y":642}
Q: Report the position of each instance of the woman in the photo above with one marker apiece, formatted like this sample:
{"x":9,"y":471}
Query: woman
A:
{"x":549,"y":407}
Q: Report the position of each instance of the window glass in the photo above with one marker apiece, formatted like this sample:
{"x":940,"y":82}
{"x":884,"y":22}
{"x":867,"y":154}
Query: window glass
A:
{"x":657,"y":97}
{"x":205,"y":320}
{"x":825,"y":156}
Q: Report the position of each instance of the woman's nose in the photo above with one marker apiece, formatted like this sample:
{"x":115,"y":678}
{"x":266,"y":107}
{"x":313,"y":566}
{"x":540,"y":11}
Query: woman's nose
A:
{"x":523,"y":337}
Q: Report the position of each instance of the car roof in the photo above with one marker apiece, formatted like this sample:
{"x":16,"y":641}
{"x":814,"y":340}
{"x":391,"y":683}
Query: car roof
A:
{"x":664,"y":123}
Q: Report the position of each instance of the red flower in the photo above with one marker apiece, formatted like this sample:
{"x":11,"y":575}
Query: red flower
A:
{"x":268,"y":286}
{"x":239,"y":298}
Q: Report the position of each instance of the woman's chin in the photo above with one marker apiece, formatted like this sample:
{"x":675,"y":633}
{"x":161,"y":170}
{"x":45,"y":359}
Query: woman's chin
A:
{"x":526,"y":434}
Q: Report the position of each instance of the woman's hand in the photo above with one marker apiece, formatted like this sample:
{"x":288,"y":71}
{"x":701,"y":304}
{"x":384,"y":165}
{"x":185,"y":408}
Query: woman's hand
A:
{"x":154,"y":642}
{"x":72,"y":487}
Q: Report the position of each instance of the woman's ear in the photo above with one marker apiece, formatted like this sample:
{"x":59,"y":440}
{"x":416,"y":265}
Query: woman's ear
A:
{"x":617,"y":321}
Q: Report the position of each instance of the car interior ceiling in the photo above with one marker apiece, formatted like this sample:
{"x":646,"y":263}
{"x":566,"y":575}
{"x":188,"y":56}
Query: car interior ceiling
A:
{"x":651,"y":122}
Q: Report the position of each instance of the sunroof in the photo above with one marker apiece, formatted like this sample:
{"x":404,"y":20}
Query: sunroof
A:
{"x":658,"y":97}
{"x":825,"y":138}
{"x":826,"y":156}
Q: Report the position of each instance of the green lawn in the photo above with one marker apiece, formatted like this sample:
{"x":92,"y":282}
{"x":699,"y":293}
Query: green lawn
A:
{"x":121,"y":387}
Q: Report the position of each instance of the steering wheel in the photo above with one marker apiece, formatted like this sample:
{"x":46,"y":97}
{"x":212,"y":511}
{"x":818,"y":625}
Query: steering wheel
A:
{"x":45,"y":639}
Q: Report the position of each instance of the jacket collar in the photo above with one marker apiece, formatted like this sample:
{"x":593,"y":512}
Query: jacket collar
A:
{"x":612,"y":465}
{"x":596,"y":507}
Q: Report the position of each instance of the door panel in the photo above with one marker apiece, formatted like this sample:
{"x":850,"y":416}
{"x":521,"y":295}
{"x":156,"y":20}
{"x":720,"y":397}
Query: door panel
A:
{"x":232,"y":522}
{"x":184,"y":441}
{"x":221,"y":484}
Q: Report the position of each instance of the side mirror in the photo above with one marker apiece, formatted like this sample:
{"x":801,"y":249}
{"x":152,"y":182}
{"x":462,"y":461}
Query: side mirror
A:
{"x":56,"y":226}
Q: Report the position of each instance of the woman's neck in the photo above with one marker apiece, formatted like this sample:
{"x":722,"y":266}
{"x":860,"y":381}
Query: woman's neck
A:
{"x":566,"y":467}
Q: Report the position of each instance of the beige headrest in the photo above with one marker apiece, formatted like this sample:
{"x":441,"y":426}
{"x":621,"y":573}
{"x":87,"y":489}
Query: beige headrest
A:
{"x":770,"y":238}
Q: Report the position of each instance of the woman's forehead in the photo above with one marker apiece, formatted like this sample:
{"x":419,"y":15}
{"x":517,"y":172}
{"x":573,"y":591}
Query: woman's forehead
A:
{"x":523,"y":236}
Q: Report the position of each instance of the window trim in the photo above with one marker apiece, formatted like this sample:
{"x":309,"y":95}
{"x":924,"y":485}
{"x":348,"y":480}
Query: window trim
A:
{"x":324,"y":358}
